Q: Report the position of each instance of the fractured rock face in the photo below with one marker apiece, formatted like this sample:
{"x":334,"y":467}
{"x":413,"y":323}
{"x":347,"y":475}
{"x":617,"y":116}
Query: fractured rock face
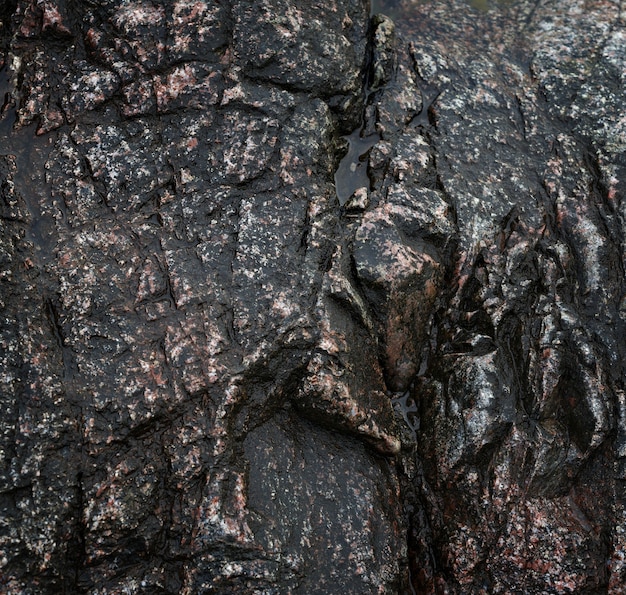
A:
{"x":176,"y":407}
{"x":230,"y":366}
{"x":518,"y":403}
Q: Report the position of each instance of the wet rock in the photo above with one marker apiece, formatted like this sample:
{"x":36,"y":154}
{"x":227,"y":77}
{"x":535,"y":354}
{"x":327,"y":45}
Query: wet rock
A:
{"x":517,"y":403}
{"x":294,"y":44}
{"x":383,"y":51}
{"x":296,"y":301}
{"x":353,"y":538}
{"x":169,"y":230}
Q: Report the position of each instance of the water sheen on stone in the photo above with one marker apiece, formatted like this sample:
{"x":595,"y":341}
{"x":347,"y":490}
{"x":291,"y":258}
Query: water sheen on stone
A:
{"x":239,"y":356}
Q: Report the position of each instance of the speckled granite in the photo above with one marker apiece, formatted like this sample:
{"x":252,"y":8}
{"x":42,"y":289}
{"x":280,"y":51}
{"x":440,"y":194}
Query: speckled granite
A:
{"x":516,"y":479}
{"x":219,"y":376}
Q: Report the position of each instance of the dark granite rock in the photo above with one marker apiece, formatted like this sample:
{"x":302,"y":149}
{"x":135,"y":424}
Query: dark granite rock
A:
{"x":518,"y":485}
{"x":176,"y":306}
{"x":299,"y":301}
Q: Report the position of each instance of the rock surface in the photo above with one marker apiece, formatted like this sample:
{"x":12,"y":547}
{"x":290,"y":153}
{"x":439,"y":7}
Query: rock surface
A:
{"x":517,"y":466}
{"x":299,"y":301}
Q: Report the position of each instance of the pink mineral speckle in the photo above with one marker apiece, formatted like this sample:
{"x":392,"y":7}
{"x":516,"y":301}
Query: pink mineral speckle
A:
{"x":136,"y":14}
{"x":52,"y":19}
{"x":176,"y":82}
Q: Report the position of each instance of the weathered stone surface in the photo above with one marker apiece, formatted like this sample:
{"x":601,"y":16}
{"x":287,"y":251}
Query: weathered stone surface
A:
{"x":519,"y":481}
{"x":167,"y":312}
{"x":298,"y":301}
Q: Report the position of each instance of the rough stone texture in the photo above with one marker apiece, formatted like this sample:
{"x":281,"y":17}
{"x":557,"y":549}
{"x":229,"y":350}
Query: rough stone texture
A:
{"x":169,"y":319}
{"x":516,"y":482}
{"x":296,"y":301}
